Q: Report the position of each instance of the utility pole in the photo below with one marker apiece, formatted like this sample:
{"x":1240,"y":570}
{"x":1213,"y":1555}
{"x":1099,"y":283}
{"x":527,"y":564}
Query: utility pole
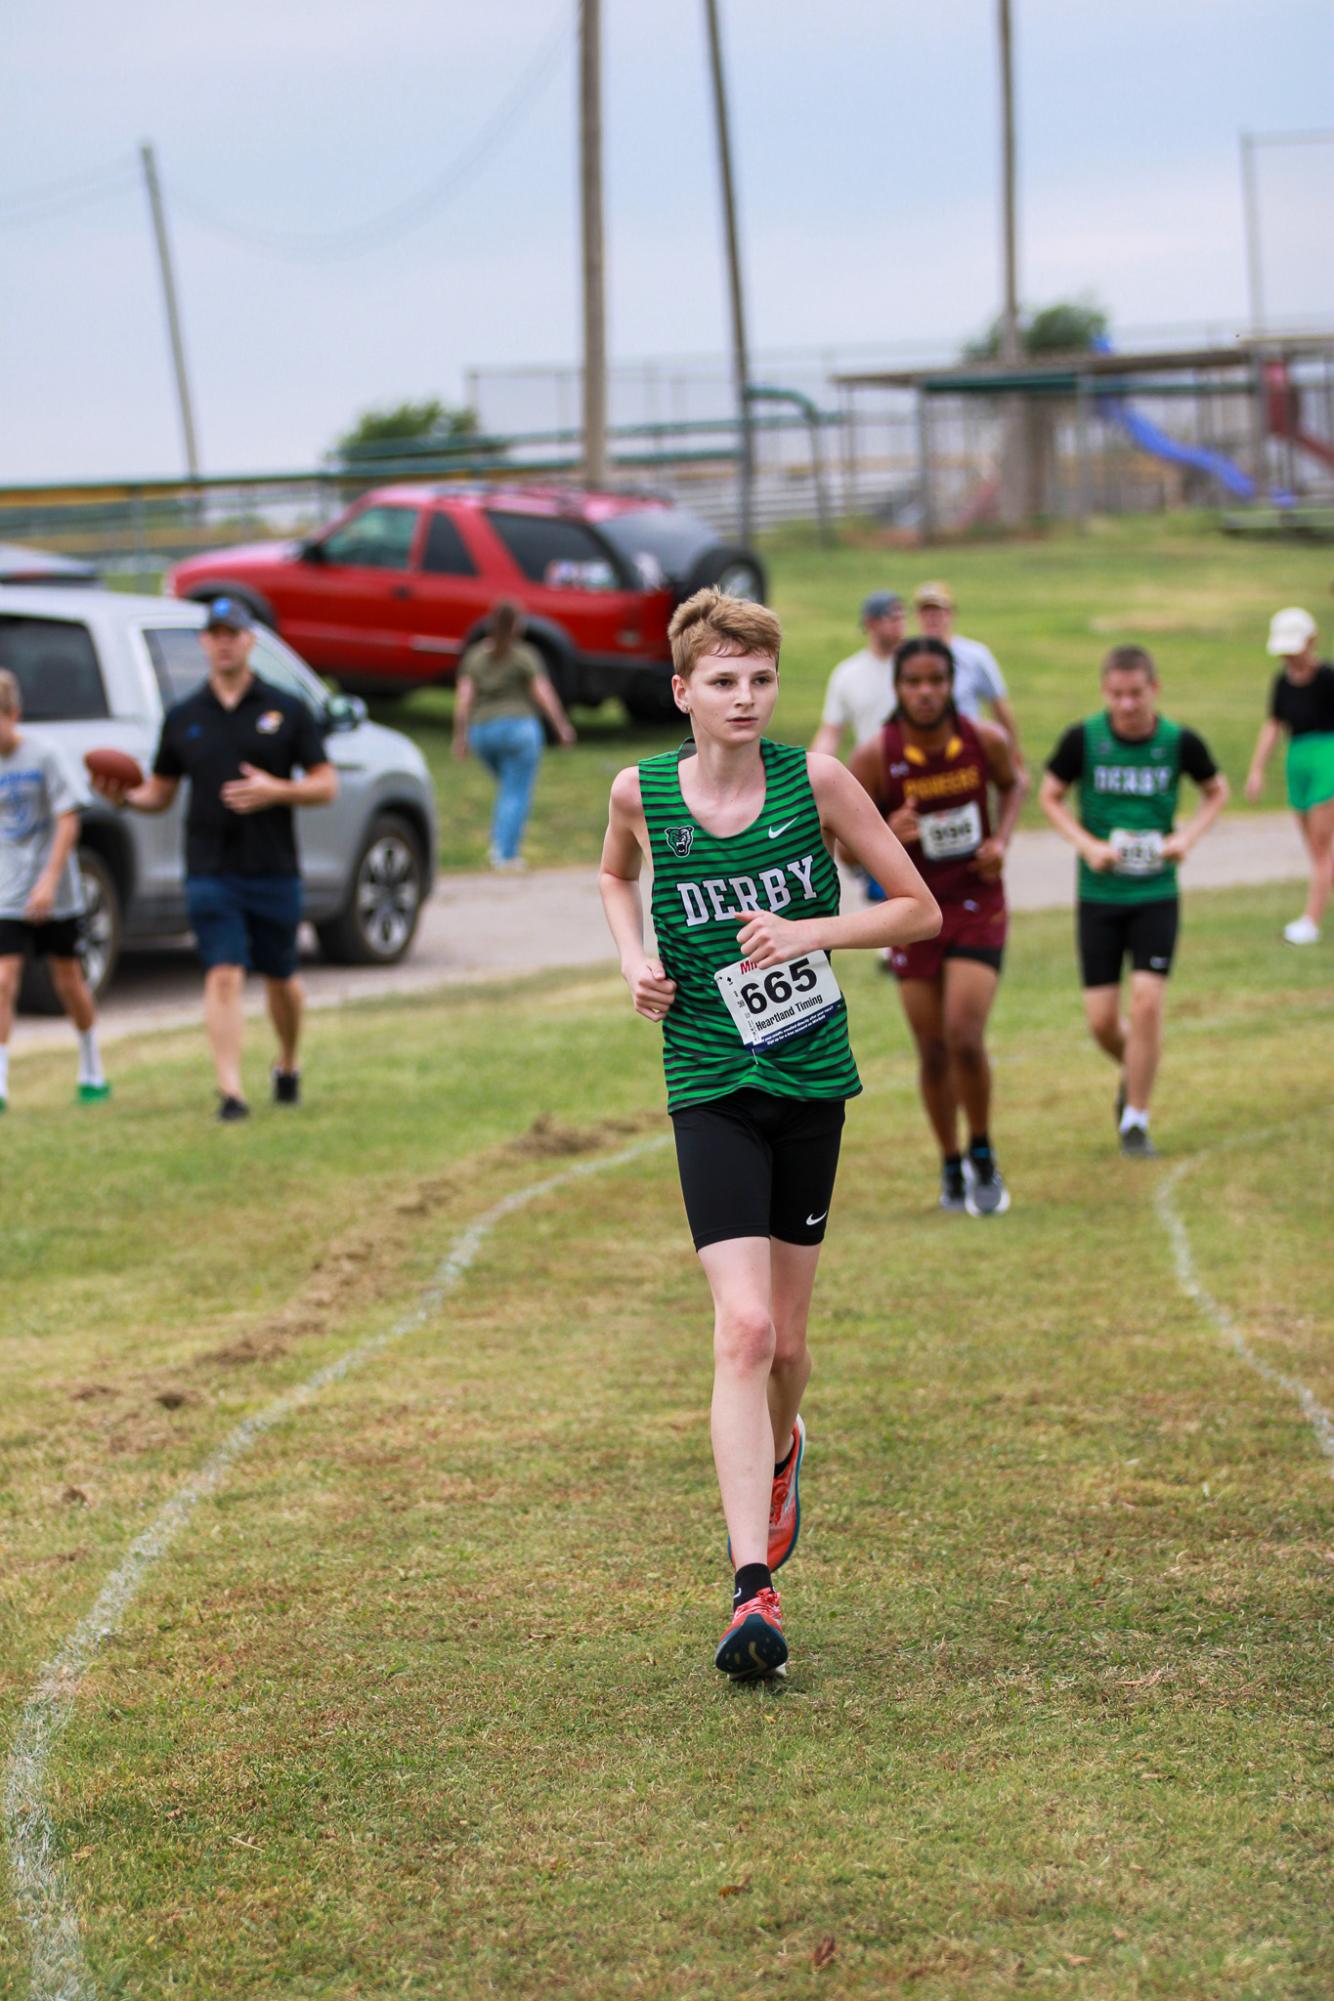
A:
{"x":1010,"y":352}
{"x":740,"y":356}
{"x":1018,"y":500}
{"x":173,"y":312}
{"x":1250,"y":208}
{"x":590,"y":179}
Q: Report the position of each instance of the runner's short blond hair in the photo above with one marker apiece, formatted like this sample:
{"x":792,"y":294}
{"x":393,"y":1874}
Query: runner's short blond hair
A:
{"x":712,"y":622}
{"x":11,"y":695}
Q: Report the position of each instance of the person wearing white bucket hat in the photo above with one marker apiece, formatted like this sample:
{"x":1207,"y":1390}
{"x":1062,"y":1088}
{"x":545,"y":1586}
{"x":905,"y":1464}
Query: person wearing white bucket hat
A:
{"x":1301,"y":702}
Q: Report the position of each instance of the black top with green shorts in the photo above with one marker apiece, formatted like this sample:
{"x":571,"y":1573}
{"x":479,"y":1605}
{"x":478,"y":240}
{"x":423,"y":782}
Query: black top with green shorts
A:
{"x":1128,"y":789}
{"x":757,"y":1125}
{"x":1305,"y":709}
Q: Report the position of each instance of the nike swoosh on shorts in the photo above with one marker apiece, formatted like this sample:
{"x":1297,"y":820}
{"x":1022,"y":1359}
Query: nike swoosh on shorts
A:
{"x":811,"y":1221}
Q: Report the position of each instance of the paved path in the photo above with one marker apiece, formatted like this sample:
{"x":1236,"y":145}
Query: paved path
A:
{"x":479,"y":927}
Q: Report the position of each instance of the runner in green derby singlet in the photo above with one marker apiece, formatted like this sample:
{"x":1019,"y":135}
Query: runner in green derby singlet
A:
{"x":740,"y":837}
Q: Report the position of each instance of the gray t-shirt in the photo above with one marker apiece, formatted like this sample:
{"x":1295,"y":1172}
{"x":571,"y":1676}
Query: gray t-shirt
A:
{"x":35,"y":789}
{"x":977,"y":678}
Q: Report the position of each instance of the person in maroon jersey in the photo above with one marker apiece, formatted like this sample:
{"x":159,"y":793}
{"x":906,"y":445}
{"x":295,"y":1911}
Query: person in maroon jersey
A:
{"x":930,"y":771}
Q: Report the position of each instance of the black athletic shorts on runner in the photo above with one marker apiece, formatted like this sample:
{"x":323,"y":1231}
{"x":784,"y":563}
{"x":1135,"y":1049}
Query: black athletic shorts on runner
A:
{"x":57,"y":938}
{"x":753,"y":1165}
{"x":1108,"y":932}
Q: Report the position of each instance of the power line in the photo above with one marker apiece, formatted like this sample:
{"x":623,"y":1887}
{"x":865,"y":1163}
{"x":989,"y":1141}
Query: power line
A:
{"x":328,"y":245}
{"x":63,"y":197}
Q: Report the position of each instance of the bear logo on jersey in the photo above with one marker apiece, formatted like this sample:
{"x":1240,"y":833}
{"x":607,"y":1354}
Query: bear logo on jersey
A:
{"x":680,"y":840}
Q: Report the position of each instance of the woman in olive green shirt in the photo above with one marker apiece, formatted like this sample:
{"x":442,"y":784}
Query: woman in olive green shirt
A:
{"x":503,"y":692}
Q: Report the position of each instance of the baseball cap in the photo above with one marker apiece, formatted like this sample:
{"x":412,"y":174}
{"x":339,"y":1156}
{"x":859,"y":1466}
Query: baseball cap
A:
{"x":1289,"y":631}
{"x":933,"y":593}
{"x":880,"y":604}
{"x":228,"y":612}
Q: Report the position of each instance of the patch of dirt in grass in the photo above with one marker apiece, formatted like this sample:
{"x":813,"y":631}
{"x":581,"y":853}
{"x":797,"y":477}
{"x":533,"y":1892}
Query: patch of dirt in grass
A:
{"x":91,"y":1392}
{"x":547,"y":1139}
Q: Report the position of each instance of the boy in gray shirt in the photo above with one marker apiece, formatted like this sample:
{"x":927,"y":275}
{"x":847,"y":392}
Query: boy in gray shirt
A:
{"x":41,"y":898}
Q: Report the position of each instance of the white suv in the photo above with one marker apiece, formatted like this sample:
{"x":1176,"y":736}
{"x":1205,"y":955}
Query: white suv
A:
{"x":98,"y":668}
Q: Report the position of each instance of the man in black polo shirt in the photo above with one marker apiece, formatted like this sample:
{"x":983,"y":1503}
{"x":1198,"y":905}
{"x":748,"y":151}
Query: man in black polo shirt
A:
{"x":238,"y":740}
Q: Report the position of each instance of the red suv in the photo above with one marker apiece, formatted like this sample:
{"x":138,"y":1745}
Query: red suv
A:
{"x":388,"y":597}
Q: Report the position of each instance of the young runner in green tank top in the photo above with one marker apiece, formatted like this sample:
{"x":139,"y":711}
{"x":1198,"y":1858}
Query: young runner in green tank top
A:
{"x":740,"y":833}
{"x":1128,"y":762}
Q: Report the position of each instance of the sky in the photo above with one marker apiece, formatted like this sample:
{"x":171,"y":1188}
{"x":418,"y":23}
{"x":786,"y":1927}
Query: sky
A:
{"x":866,"y":148}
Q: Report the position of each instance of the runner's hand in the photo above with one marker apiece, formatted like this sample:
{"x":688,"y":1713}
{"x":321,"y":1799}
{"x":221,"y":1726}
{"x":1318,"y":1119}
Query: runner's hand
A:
{"x":1255,"y":785}
{"x":40,"y":903}
{"x":989,"y":860}
{"x":650,"y":989}
{"x":903,"y":823}
{"x":770,"y":940}
{"x":1100,"y":856}
{"x":1175,"y":848}
{"x":252,"y":791}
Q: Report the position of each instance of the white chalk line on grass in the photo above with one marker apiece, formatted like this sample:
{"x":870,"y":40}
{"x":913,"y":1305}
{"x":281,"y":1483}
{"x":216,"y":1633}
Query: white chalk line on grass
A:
{"x":1188,"y":1278}
{"x":59,"y":1971}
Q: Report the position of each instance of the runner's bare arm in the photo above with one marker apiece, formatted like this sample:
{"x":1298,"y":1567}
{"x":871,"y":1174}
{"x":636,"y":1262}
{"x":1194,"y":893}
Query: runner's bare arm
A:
{"x":1011,"y":783}
{"x":1260,"y":756}
{"x":618,"y":884}
{"x":1100,"y":855}
{"x":1214,"y":797}
{"x":909,"y":912}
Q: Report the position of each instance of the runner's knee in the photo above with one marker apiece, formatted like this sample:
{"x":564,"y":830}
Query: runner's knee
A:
{"x":935,"y":1058}
{"x":966,"y":1047}
{"x":744,"y":1337}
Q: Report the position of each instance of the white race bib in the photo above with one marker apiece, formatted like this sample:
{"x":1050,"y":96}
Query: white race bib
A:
{"x":950,"y":836}
{"x":771,"y":1003}
{"x":1138,"y":853}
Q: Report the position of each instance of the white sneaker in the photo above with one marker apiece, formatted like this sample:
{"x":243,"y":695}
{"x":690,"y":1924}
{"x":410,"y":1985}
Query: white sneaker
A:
{"x":1302,"y":931}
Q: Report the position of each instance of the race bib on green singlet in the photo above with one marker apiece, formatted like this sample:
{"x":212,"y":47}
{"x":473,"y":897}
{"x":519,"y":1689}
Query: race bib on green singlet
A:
{"x":770,"y":1004}
{"x":953,"y":835}
{"x":1138,"y":851}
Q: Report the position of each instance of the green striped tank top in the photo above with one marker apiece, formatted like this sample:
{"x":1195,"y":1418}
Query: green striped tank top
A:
{"x":701,"y":884}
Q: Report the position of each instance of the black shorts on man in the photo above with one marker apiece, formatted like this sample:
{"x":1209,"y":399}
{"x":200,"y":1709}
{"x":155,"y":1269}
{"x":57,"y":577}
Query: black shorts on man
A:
{"x":755,"y":1165}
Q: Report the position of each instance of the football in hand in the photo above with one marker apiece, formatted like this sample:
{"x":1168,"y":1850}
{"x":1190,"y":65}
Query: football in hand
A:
{"x":117,"y":767}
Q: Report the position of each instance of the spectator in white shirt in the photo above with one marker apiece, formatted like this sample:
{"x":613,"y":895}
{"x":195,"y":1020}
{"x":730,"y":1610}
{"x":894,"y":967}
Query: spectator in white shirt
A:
{"x":977,"y":677}
{"x":860,"y":694}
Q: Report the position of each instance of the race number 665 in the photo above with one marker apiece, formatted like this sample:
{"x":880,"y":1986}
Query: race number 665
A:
{"x":797,"y":976}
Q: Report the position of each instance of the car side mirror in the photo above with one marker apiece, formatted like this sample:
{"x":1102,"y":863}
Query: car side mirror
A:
{"x":343,"y":713}
{"x":310,"y":551}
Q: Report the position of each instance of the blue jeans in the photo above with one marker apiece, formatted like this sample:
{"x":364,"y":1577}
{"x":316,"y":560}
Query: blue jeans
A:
{"x":511,"y":748}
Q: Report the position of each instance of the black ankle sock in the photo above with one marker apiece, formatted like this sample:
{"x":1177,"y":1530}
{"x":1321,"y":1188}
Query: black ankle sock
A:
{"x":785,"y":1461}
{"x":981,"y":1143}
{"x":953,"y":1163}
{"x":751,"y":1577}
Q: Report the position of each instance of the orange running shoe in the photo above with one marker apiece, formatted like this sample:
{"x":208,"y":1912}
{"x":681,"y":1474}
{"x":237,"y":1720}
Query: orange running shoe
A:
{"x":753,"y":1644}
{"x":784,"y":1504}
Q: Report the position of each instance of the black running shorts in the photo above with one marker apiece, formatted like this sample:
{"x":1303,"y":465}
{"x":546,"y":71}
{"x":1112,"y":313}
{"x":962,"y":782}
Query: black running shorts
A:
{"x":57,"y":938}
{"x":1108,"y":932}
{"x":756,"y":1166}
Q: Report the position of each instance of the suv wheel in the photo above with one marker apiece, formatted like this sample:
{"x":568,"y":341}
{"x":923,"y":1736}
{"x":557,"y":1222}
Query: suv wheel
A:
{"x":99,"y":943}
{"x":379,"y":920}
{"x":739,"y":572}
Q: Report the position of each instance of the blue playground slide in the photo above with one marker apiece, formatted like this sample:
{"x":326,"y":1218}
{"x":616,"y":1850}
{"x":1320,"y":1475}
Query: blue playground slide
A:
{"x":1149,"y":438}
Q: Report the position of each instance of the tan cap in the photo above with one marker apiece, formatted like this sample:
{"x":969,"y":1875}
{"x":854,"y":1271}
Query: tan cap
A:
{"x":933,"y":593}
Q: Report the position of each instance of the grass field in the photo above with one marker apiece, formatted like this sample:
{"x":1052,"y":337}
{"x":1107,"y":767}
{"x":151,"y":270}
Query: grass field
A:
{"x":1049,"y":608}
{"x":421,"y":1702}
